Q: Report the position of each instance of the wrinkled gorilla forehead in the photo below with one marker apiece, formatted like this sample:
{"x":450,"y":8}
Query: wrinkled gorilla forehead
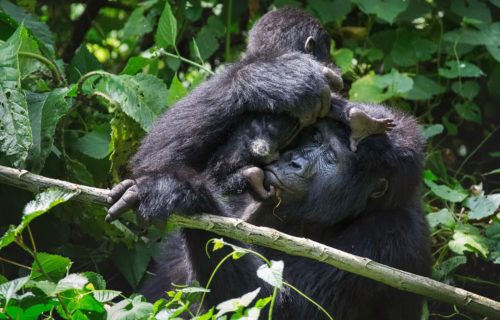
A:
{"x":315,"y":176}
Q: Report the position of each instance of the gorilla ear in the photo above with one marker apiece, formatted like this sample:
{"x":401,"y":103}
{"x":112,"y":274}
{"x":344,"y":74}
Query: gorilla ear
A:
{"x":381,"y":187}
{"x":310,"y":45}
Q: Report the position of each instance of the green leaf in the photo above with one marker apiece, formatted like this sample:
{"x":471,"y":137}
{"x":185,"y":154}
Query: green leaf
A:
{"x":472,"y":9}
{"x":95,"y":144}
{"x":431,"y":130}
{"x":367,"y":89}
{"x":232,"y":305}
{"x":467,"y":89}
{"x":130,"y":309}
{"x":424,"y":88}
{"x":39,"y":29}
{"x":142,"y":97}
{"x":386,"y":10}
{"x":409,"y":48}
{"x":329,"y":11}
{"x":217,"y":244}
{"x":207,"y":43}
{"x":49,"y":267}
{"x":82,"y":62}
{"x":343,"y":59}
{"x":15,"y":131}
{"x":468,"y":110}
{"x":446,"y":267}
{"x":43,"y":202}
{"x":442,"y":217}
{"x":135,"y":65}
{"x":176,"y":91}
{"x":468,"y":238}
{"x":167,"y":28}
{"x":137,"y":24}
{"x":132,"y":262}
{"x":480,"y":207}
{"x":273,"y":275}
{"x":72,"y":281}
{"x":445,"y":192}
{"x":455,"y":69}
{"x":8,"y":289}
{"x":374,"y":88}
{"x":45,"y":111}
{"x":79,"y":172}
{"x":105,"y":295}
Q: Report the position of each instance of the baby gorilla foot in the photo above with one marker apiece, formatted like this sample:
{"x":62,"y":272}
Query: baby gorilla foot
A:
{"x":362,"y":126}
{"x":255,"y":177}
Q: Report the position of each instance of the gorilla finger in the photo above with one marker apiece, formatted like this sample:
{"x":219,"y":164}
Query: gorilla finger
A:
{"x":334,"y":79}
{"x":116,"y":192}
{"x":326,"y":100}
{"x":128,"y":201}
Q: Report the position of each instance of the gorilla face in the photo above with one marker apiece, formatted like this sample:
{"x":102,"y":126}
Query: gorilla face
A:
{"x":319,"y":178}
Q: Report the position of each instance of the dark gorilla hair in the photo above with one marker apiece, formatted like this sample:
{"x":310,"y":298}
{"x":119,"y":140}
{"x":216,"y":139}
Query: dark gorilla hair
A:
{"x":290,"y":80}
{"x":364,"y":202}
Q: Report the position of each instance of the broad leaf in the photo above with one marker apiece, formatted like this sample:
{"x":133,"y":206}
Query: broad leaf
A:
{"x":176,"y":91}
{"x":43,"y":202}
{"x":137,"y":24}
{"x":132,"y":309}
{"x":142,"y":97}
{"x":95,"y":144}
{"x":424,"y":88}
{"x":49,"y":267}
{"x":455,"y":69}
{"x":71,"y":282}
{"x":386,"y":10}
{"x":431,"y":130}
{"x":468,"y":110}
{"x":445,"y":192}
{"x":167,"y":28}
{"x":232,"y":305}
{"x":15,"y":131}
{"x":480,"y":207}
{"x":273,"y":274}
{"x":45,"y":111}
{"x":467,"y":89}
{"x":442,"y":217}
{"x":8,"y":289}
{"x":82,"y":62}
{"x":468,"y":238}
{"x":132,"y":262}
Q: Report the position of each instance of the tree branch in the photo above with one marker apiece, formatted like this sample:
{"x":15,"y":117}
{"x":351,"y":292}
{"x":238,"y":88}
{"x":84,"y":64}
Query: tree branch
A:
{"x":267,"y":237}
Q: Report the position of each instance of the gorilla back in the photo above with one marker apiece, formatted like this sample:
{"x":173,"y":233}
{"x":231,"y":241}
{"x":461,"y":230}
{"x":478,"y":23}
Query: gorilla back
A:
{"x":364,"y":202}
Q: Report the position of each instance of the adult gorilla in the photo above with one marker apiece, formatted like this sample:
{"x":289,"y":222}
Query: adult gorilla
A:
{"x":364,"y":202}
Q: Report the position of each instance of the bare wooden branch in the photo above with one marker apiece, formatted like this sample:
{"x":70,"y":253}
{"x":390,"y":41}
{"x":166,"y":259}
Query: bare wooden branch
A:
{"x":267,"y":237}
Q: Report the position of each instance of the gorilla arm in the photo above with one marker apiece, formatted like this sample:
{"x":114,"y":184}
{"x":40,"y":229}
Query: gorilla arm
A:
{"x":167,"y":165}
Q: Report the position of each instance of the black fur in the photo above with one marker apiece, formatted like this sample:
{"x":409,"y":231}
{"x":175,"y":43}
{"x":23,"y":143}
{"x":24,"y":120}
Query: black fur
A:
{"x":279,"y":79}
{"x":331,"y":195}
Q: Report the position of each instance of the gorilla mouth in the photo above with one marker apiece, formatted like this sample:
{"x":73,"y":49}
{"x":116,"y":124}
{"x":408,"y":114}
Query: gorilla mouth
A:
{"x":272,"y":179}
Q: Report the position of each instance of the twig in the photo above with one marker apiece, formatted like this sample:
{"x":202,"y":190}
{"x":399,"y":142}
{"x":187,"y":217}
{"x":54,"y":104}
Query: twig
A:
{"x":267,"y":237}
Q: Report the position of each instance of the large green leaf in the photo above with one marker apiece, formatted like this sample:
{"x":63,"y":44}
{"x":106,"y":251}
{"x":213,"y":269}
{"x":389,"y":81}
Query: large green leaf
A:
{"x":375,"y":88}
{"x":167,"y":28}
{"x":49,"y":267}
{"x":15,"y":131}
{"x":469,"y":238}
{"x":82,"y":62}
{"x":445,"y":192}
{"x":137,"y":24}
{"x":132,"y":262}
{"x":329,"y":11}
{"x":386,"y":10}
{"x":95,"y":144}
{"x":424,"y":88}
{"x":142,"y":97}
{"x":456,"y":69}
{"x":43,"y":202}
{"x":45,"y":111}
{"x":130,"y":309}
{"x":39,"y":29}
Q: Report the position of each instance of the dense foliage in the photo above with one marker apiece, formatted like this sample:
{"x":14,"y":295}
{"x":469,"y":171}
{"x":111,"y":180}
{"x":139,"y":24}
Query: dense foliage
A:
{"x":80,"y":84}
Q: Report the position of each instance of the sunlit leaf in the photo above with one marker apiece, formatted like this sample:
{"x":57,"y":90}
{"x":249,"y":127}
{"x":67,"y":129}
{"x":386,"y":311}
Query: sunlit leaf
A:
{"x":272,"y":274}
{"x":232,"y":305}
{"x":49,"y":267}
{"x":455,"y":69}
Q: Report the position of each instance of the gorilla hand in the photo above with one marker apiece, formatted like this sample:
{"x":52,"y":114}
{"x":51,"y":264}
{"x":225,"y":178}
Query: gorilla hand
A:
{"x":122,"y":197}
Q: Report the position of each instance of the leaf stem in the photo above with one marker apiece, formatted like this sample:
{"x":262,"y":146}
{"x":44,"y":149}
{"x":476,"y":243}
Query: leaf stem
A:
{"x":308,"y":299}
{"x":191,"y":62}
{"x":52,"y":66}
{"x":88,"y":75}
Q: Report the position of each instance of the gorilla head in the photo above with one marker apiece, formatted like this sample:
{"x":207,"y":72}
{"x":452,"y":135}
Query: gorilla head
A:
{"x":321,"y":180}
